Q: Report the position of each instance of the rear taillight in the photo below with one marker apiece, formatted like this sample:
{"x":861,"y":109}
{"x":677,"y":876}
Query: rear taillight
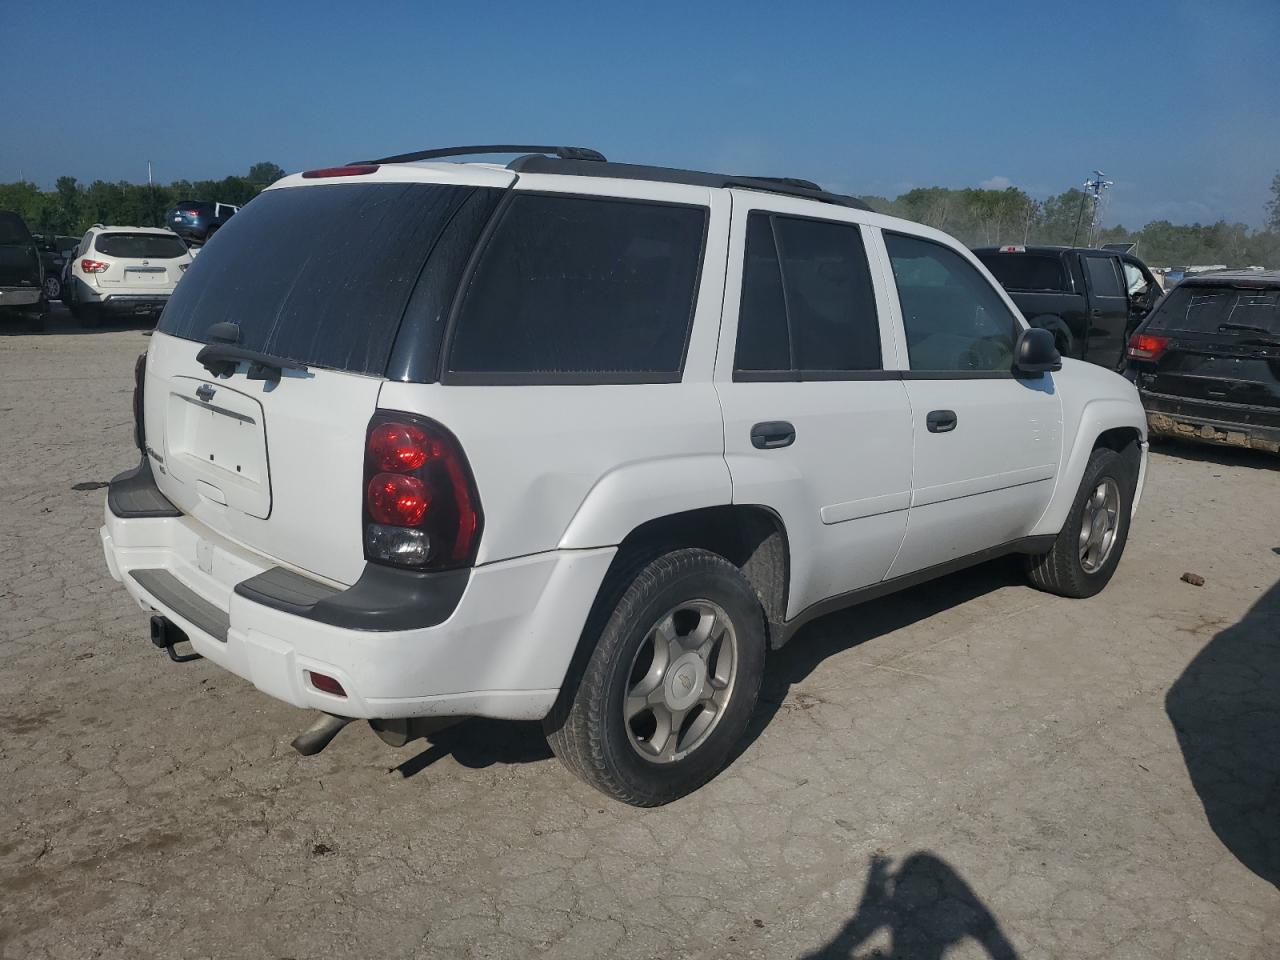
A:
{"x":1147,"y":346}
{"x":350,"y":170}
{"x":93,"y":266}
{"x":139,"y":381}
{"x":421,"y":509}
{"x":192,"y":213}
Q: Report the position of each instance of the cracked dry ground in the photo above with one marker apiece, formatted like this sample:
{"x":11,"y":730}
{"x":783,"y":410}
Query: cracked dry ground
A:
{"x":971,"y":768}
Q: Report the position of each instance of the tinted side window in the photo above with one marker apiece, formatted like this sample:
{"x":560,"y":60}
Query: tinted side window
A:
{"x":1103,"y":277}
{"x":574,"y":288}
{"x":808,"y":304}
{"x":763,"y":340}
{"x":953,"y":318}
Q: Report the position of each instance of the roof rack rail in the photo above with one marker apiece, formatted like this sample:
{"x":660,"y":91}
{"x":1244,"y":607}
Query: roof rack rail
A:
{"x":564,"y":153}
{"x":789,"y":186}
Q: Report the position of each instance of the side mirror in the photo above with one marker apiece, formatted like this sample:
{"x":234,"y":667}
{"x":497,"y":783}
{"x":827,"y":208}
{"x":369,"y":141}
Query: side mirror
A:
{"x":1036,"y":352}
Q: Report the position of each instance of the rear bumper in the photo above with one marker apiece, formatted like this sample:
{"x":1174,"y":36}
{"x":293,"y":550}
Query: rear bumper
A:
{"x":1228,"y":424}
{"x":20,"y":296}
{"x":133,"y":302}
{"x":501,"y":651}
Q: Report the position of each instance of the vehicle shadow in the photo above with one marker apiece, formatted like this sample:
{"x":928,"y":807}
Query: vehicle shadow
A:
{"x":1215,"y":453}
{"x":60,"y":323}
{"x":924,"y":906}
{"x":1225,"y":710}
{"x":852,"y":627}
{"x":479,"y":743}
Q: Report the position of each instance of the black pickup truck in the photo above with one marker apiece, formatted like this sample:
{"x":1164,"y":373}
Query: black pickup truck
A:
{"x":21,"y":272}
{"x":1091,"y":299}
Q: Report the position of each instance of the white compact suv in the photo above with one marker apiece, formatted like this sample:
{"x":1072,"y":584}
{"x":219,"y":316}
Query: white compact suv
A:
{"x":124,"y":271}
{"x":580,"y":441}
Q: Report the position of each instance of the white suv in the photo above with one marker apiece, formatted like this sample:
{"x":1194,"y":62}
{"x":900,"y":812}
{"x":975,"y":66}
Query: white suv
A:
{"x":580,"y":441}
{"x":124,"y":271}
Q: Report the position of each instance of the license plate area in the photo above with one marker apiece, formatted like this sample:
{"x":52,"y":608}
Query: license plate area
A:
{"x":216,"y":442}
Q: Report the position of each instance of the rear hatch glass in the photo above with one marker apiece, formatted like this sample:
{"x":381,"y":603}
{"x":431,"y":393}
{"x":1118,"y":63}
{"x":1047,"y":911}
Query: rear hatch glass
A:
{"x":320,"y":275}
{"x":1231,"y":311}
{"x":140,"y":246}
{"x":1029,"y":272}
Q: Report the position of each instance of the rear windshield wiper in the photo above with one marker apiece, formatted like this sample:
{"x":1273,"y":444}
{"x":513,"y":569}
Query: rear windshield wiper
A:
{"x":223,"y":358}
{"x":1247,"y":328}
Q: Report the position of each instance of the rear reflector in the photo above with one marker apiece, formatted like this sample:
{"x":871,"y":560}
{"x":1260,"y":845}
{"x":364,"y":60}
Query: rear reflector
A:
{"x":350,"y":170}
{"x":325,"y":683}
{"x":1147,"y":346}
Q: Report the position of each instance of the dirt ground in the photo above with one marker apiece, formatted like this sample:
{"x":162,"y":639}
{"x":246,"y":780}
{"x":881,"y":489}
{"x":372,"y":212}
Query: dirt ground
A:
{"x":970,"y":768}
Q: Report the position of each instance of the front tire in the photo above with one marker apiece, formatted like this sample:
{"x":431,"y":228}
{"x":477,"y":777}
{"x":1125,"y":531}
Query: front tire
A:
{"x":672,"y":680}
{"x":1088,"y":549}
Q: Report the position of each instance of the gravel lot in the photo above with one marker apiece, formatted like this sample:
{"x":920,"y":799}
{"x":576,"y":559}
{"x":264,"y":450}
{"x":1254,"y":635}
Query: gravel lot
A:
{"x":970,"y":767}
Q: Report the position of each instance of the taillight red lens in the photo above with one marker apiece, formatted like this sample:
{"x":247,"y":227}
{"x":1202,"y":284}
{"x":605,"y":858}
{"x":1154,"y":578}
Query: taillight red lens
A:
{"x":92,"y":266}
{"x":1147,"y":346}
{"x":421,"y":508}
{"x":401,"y":447}
{"x":398,"y":500}
{"x":350,"y":170}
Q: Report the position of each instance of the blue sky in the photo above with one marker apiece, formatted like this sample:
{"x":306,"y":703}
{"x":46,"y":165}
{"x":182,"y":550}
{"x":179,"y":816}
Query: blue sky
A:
{"x":1178,"y":102}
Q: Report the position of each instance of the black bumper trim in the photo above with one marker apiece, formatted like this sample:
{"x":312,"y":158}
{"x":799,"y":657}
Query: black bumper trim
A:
{"x":383,"y":599}
{"x":183,"y":601}
{"x":1164,"y":412}
{"x":134,"y":494}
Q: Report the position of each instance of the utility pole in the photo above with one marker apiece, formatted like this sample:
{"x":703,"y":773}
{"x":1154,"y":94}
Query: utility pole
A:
{"x":1095,"y":189}
{"x":151,"y":196}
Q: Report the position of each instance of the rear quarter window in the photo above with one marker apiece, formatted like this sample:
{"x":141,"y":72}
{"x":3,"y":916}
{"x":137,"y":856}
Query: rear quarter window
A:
{"x":581,"y":289}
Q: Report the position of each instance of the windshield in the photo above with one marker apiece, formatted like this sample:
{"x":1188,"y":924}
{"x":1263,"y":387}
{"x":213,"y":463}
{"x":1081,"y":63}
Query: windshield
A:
{"x":13,"y":230}
{"x":140,"y":246}
{"x":321,"y":275}
{"x":1233,"y":311}
{"x":1027,"y":271}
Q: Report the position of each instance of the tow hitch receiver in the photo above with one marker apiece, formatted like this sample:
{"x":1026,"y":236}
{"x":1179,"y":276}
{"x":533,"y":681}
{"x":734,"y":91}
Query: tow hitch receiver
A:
{"x":165,"y":634}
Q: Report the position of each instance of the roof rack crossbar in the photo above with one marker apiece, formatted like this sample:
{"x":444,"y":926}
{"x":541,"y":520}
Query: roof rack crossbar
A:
{"x":564,"y":153}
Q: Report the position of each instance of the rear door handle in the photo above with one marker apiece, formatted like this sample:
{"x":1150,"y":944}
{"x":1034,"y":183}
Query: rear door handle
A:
{"x":942,"y":421}
{"x":772,"y":434}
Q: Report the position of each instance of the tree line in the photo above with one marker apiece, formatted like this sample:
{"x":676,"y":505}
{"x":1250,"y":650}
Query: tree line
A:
{"x":975,"y":216}
{"x":1011,"y":216}
{"x":72,"y":207}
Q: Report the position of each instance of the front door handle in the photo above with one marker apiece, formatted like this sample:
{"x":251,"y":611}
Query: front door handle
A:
{"x":942,"y":421}
{"x":772,"y":434}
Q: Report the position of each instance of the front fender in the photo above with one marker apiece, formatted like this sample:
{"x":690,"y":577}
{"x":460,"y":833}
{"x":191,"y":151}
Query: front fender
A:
{"x":636,"y":493}
{"x":1095,"y":418}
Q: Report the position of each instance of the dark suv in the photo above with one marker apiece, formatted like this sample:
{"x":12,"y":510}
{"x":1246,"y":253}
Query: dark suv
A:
{"x":197,"y":220}
{"x":21,"y":272}
{"x":1207,"y":360}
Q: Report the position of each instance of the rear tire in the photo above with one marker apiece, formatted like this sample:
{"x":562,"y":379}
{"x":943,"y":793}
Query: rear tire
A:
{"x":1091,"y":542}
{"x":671,"y":682}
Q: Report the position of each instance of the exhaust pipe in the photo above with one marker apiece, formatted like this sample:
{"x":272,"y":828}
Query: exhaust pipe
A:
{"x":319,"y":735}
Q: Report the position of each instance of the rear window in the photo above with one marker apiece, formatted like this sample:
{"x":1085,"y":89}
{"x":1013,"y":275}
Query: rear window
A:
{"x":1027,"y":272}
{"x":575,"y":289}
{"x":142,"y":246}
{"x":1233,"y":311}
{"x":319,"y":274}
{"x":12,"y":229}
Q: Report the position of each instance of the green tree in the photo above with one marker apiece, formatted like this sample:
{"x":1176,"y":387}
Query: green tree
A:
{"x":1273,"y":206}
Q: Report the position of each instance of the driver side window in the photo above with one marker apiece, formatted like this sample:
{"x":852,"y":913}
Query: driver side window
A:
{"x":953,"y":318}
